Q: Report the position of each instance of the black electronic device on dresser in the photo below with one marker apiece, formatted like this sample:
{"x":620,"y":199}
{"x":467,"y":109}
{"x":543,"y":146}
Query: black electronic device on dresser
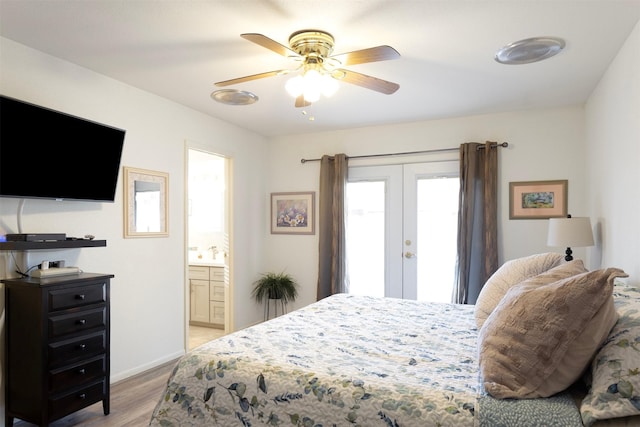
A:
{"x":57,"y":346}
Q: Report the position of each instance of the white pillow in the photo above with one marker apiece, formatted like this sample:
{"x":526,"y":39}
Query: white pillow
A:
{"x":509,"y":274}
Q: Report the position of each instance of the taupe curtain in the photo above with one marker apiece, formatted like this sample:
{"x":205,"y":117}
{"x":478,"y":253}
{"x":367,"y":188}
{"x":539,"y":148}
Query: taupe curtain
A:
{"x":332,"y":271}
{"x":477,"y":220}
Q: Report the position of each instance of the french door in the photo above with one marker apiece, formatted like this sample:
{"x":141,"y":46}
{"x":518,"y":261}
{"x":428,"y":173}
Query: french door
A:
{"x":402,"y":230}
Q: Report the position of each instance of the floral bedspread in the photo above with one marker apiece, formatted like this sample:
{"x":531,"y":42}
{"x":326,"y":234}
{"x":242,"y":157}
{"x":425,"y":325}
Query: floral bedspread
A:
{"x":343,"y":361}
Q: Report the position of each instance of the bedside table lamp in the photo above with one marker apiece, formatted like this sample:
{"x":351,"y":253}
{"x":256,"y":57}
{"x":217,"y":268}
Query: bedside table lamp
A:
{"x":570,"y":232}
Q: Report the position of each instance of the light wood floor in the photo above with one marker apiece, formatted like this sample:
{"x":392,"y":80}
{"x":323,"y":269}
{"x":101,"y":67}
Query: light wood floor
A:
{"x":133,"y":399}
{"x":200,"y":335}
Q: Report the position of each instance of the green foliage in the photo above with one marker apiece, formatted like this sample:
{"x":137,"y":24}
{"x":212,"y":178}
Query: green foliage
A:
{"x":275,"y":286}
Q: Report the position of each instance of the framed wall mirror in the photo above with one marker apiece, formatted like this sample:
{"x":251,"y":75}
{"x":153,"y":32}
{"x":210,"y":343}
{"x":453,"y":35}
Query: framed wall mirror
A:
{"x":146,"y":203}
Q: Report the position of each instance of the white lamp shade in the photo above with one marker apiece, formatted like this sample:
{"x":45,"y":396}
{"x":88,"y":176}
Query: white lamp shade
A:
{"x":566,"y":232}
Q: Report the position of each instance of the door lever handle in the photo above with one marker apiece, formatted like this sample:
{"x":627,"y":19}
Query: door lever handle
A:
{"x":409,"y":255}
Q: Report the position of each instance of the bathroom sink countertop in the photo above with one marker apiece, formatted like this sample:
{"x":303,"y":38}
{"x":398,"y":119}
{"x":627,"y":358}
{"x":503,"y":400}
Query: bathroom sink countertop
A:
{"x":206,"y":262}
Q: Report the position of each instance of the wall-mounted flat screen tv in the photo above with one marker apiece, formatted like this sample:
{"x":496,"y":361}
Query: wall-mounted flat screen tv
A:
{"x":47,"y":154}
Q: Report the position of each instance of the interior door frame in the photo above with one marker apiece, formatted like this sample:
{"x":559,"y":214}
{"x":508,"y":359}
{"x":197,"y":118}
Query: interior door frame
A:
{"x":229,"y":324}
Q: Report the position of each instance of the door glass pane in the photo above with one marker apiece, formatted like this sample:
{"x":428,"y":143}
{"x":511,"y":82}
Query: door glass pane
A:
{"x":437,"y":237}
{"x":365,"y":237}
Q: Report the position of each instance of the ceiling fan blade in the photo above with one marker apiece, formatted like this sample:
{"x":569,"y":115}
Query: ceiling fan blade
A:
{"x":368,"y":82}
{"x":301,"y":102}
{"x":251,"y":77}
{"x":372,"y":54}
{"x":270,"y":44}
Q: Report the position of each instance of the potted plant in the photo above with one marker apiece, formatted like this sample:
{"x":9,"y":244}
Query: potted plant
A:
{"x":280,"y":287}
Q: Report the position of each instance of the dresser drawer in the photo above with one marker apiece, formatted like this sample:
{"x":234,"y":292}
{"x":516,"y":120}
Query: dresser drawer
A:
{"x":84,"y":346}
{"x":200,"y":273}
{"x":64,"y":404}
{"x":216,"y":291}
{"x":216,"y":312}
{"x":73,"y":376}
{"x":217,"y":274}
{"x":61,"y":299}
{"x":77,"y":322}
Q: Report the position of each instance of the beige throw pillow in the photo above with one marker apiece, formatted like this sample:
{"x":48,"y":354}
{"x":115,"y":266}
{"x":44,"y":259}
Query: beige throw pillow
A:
{"x":511,"y":273}
{"x":540,"y":339}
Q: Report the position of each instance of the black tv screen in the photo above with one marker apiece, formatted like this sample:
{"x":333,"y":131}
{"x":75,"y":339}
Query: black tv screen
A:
{"x":47,"y":154}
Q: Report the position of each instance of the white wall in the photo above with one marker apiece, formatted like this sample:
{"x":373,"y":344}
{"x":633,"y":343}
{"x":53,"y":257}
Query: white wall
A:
{"x":148,"y":291}
{"x":613,"y":158}
{"x":543,"y":145}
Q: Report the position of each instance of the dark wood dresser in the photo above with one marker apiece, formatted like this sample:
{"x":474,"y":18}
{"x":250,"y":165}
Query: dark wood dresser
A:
{"x":57,"y":346}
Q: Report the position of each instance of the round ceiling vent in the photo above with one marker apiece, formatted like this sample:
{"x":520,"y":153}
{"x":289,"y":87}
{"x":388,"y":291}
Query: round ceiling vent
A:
{"x":529,"y":50}
{"x":234,"y":97}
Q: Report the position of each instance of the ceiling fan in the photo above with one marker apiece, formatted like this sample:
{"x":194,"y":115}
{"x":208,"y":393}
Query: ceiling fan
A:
{"x":319,"y":68}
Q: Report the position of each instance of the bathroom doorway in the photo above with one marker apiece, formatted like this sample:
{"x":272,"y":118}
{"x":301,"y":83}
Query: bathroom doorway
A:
{"x":208,"y":279}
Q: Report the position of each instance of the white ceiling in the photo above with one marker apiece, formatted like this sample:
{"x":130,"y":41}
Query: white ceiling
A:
{"x":179,"y":49}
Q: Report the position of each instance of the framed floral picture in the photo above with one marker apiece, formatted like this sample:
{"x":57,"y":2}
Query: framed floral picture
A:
{"x":293,"y":213}
{"x":538,"y":199}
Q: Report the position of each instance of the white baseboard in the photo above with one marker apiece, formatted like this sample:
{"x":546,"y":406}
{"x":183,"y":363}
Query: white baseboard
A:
{"x":142,"y":368}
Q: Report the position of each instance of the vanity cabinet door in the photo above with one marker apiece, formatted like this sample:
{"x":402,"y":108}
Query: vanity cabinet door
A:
{"x":199,"y":300}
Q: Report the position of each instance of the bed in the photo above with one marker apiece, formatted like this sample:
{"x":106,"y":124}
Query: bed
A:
{"x":362,"y":361}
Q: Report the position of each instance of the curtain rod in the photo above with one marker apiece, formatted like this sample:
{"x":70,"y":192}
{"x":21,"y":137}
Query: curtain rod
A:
{"x":406,"y":153}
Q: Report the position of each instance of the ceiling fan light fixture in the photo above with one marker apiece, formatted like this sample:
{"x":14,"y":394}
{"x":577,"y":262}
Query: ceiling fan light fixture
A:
{"x":312,"y":95}
{"x":314,"y":48}
{"x":312,"y":84}
{"x":329,"y":86}
{"x":312,"y":88}
{"x":294,"y":86}
{"x":529,"y":50}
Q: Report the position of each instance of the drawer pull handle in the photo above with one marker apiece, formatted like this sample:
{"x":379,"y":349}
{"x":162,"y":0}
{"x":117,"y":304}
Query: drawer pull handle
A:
{"x":80,"y":296}
{"x":81,"y":371}
{"x":82,"y":321}
{"x":82,"y":346}
{"x":82,"y":396}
